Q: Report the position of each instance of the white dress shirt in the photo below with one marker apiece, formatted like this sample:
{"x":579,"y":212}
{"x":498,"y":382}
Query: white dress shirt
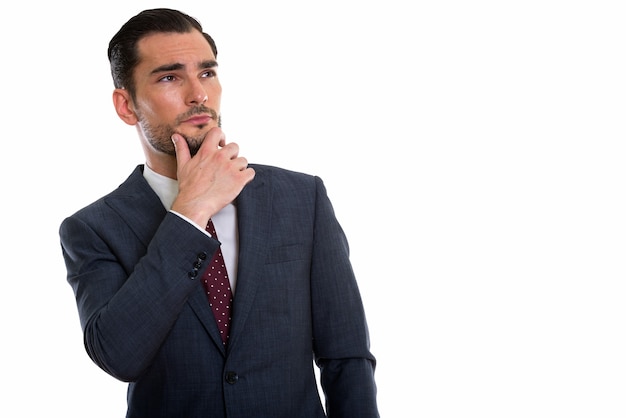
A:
{"x":225,"y":221}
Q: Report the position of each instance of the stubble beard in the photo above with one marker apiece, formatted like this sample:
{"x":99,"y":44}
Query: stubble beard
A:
{"x":160,"y":135}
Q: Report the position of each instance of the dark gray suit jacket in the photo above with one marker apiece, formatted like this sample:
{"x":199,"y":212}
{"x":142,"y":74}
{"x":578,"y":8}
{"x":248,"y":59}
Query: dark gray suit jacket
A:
{"x":147,"y":321}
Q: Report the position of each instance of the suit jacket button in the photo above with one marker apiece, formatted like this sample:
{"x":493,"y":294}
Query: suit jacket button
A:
{"x":231,"y":377}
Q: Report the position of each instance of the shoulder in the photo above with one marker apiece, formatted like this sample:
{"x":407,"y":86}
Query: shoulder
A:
{"x":135,"y":185}
{"x":281,"y":177}
{"x":287,"y":186}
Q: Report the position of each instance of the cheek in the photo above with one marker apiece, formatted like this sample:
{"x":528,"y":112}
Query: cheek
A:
{"x":161,"y":109}
{"x":215,"y":96}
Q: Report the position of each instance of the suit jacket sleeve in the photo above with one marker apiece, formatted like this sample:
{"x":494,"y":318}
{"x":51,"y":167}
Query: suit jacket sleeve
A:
{"x":127,"y":307}
{"x":341,"y":337}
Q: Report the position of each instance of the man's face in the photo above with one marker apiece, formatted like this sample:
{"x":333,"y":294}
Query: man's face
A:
{"x":177,"y":90}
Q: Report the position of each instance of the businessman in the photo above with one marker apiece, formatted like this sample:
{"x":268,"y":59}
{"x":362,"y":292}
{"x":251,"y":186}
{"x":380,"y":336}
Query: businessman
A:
{"x":213,"y":287}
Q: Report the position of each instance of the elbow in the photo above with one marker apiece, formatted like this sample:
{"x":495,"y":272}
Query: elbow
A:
{"x":125,"y":366}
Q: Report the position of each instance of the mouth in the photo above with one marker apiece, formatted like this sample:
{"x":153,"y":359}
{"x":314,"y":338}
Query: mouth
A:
{"x":199,"y":120}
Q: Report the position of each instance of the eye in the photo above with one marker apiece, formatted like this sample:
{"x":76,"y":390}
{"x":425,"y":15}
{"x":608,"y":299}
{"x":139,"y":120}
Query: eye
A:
{"x":167,"y":78}
{"x":209,"y":74}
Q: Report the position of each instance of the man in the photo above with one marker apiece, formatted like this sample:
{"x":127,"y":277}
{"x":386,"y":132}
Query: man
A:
{"x":138,"y":259}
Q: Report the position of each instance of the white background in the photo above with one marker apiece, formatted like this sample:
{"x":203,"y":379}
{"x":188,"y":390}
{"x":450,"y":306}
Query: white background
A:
{"x":474,"y":152}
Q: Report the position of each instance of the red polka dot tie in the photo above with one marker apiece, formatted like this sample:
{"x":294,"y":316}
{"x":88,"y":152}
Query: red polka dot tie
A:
{"x":217,"y":287}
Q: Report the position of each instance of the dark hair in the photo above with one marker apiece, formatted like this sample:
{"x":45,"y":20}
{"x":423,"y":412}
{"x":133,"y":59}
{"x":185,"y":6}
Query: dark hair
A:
{"x":123,"y":54}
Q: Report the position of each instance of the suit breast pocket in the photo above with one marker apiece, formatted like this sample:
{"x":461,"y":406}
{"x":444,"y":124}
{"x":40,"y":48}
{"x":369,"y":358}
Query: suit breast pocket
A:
{"x":285,"y":253}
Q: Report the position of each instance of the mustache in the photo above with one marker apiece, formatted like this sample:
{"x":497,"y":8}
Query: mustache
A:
{"x":197,"y":110}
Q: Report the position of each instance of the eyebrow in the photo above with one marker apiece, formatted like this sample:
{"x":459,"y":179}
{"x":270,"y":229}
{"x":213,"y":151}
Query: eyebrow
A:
{"x":204,"y":65}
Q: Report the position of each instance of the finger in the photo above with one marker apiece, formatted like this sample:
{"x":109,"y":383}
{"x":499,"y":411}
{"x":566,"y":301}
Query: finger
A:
{"x":249,"y":174}
{"x":182,"y":150}
{"x":232,"y":150}
{"x":213,"y":139}
{"x":242,"y":163}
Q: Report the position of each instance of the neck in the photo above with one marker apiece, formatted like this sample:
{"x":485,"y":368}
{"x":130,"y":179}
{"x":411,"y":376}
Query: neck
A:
{"x":164,"y":166}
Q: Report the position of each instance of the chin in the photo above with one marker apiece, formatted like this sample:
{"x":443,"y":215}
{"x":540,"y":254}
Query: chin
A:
{"x":194,"y":144}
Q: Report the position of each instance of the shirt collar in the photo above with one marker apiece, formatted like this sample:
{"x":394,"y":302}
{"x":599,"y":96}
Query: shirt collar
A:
{"x":165,"y":187}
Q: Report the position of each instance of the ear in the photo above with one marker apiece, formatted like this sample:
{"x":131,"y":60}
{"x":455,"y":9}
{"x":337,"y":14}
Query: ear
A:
{"x":124,"y":107}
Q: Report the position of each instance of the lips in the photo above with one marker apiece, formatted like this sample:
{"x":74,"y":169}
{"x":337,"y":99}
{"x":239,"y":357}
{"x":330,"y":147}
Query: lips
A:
{"x":199,"y":120}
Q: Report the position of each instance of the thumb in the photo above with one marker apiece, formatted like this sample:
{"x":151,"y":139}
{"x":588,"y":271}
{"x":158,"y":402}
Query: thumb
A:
{"x":182,"y":150}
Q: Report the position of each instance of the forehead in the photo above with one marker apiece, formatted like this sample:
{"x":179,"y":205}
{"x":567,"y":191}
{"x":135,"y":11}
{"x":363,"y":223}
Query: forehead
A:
{"x":169,"y":48}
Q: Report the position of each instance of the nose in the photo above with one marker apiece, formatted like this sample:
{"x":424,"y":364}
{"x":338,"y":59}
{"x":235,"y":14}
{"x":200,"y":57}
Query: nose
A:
{"x":197,"y":94}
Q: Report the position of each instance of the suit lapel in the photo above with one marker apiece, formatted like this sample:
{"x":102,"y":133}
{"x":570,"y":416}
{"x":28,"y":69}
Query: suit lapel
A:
{"x":138,"y":205}
{"x":200,"y":305}
{"x":253,"y":217}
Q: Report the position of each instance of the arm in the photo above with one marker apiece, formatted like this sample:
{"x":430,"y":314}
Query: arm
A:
{"x":129,"y":296}
{"x":341,"y":339}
